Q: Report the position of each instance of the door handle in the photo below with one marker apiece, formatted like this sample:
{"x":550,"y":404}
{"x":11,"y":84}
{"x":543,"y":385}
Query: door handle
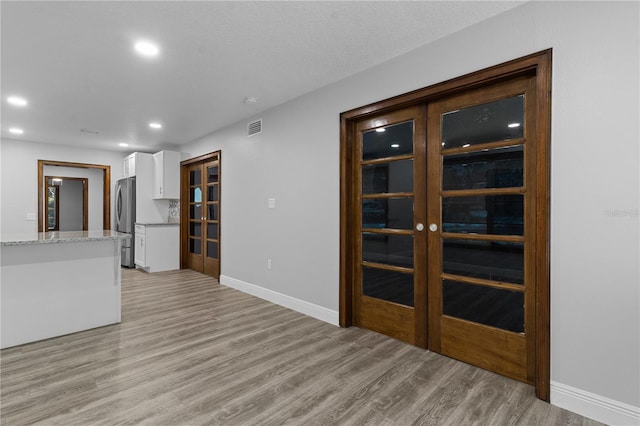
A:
{"x":433,"y":227}
{"x":419,"y":227}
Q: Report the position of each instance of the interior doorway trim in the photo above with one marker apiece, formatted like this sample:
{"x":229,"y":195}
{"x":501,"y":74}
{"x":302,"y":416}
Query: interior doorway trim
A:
{"x":537,"y":65}
{"x":106,"y":189}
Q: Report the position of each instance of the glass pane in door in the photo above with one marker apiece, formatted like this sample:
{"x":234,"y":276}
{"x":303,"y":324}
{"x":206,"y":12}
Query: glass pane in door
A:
{"x":388,"y":141}
{"x":195,"y":177}
{"x":484,"y":305}
{"x":490,"y":260}
{"x":487,"y":122}
{"x":391,"y":286}
{"x":195,"y":229}
{"x":212,"y":231}
{"x":195,"y":245}
{"x":212,"y":249}
{"x":212,"y":174}
{"x":212,"y":193}
{"x":390,"y":249}
{"x":394,"y":213}
{"x":484,"y":214}
{"x":491,"y":168}
{"x":395,"y":176}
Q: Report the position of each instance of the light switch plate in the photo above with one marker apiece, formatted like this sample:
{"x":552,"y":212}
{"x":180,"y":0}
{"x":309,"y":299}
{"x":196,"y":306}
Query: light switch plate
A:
{"x":31,"y":216}
{"x":271,"y":202}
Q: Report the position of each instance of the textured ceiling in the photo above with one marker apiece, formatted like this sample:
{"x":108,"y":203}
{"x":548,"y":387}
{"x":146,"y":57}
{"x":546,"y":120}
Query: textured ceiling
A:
{"x":75,"y":64}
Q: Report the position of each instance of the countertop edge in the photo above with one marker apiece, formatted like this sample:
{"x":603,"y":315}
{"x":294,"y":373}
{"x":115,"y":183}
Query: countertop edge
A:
{"x":64,"y":239}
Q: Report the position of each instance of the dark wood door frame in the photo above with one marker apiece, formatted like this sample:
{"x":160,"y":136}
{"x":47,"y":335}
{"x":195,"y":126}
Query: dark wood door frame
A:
{"x":106,"y":189}
{"x":537,"y":65}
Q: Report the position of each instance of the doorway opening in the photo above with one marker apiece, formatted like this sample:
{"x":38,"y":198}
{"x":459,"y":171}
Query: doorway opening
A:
{"x":42,"y":190}
{"x":445,"y":218}
{"x":67,"y":203}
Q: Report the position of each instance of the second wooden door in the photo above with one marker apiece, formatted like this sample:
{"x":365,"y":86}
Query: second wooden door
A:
{"x":201,"y":226}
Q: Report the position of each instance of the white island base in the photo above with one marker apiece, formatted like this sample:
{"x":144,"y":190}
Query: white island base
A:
{"x":58,"y":283}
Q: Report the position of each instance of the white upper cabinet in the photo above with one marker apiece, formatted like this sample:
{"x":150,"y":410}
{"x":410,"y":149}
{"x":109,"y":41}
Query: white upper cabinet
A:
{"x":166,"y":175}
{"x":129,"y":165}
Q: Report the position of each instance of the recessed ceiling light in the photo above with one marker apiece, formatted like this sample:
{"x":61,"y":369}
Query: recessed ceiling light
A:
{"x":16,"y":130}
{"x":513,"y":125}
{"x":123,"y":144}
{"x":380,"y":129}
{"x":155,"y":125}
{"x":17,"y":101}
{"x":395,"y":145}
{"x":146,"y":48}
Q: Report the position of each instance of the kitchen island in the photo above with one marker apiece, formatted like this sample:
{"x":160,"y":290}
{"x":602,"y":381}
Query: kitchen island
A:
{"x":56,"y":283}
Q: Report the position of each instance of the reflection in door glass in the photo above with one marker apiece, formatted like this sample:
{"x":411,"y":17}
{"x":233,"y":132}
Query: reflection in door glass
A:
{"x":495,"y":168}
{"x":196,"y":195}
{"x":485,"y":305}
{"x":395,"y":213}
{"x":388,"y":285}
{"x":489,"y":122}
{"x":389,"y":141}
{"x":495,"y":261}
{"x":394,"y":250}
{"x":484,"y":214}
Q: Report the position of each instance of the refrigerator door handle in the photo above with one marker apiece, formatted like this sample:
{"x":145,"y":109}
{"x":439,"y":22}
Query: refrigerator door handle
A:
{"x":118,"y":205}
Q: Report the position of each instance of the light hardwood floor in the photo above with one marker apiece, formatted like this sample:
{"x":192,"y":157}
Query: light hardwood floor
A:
{"x":191,"y":352}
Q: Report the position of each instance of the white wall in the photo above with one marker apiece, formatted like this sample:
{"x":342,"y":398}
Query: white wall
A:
{"x":19,"y":176}
{"x":96,"y":184}
{"x":595,"y":298}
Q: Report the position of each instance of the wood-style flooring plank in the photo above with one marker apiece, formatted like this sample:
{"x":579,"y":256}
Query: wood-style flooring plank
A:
{"x":192,"y":352}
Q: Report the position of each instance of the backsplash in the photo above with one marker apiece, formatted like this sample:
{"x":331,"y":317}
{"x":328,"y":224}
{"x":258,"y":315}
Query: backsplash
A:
{"x":174,"y":211}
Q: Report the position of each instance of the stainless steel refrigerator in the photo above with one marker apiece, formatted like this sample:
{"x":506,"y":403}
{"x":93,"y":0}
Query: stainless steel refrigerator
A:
{"x":126,"y":217}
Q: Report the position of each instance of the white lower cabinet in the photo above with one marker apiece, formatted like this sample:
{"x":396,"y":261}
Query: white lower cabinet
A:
{"x":157,"y":247}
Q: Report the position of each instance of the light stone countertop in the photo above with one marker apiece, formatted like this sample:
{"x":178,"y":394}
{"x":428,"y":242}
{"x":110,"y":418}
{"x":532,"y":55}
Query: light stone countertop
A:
{"x":60,"y":237}
{"x":158,"y":223}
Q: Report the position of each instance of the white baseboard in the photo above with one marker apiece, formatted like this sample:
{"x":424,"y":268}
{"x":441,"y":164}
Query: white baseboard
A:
{"x":310,"y":309}
{"x":594,"y":406}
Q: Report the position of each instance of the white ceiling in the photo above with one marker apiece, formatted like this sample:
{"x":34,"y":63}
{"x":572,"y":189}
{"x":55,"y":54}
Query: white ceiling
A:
{"x":75,"y":64}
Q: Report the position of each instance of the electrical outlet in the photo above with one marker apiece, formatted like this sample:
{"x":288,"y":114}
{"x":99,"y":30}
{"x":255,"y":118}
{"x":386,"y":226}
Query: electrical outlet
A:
{"x":268,"y":263}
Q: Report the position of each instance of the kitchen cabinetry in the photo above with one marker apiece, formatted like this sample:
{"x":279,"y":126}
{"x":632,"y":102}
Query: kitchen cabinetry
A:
{"x":157,"y":246}
{"x":129,"y":165}
{"x":140,"y":257}
{"x":166,"y":173}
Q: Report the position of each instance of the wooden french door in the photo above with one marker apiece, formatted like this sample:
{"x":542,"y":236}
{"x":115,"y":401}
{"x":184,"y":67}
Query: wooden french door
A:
{"x":390,"y":272}
{"x":200,"y":234}
{"x":481,"y":201}
{"x":445,"y":218}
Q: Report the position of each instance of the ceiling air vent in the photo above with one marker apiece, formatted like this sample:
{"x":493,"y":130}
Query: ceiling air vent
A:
{"x":254,"y":128}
